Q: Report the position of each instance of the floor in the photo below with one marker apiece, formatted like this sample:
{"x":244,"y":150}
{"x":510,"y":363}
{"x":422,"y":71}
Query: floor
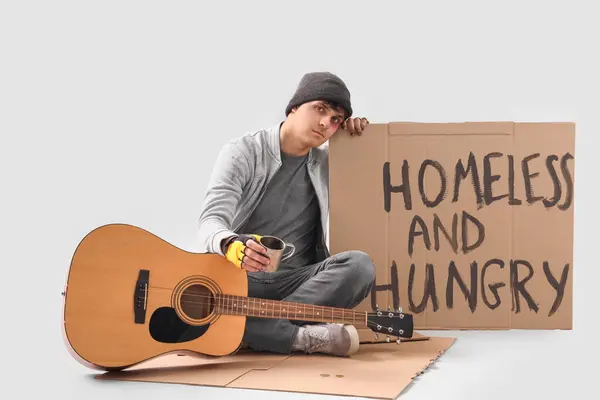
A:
{"x":497,"y":364}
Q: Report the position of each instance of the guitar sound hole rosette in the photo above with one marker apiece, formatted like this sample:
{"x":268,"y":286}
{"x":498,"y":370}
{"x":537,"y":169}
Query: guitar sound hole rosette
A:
{"x":194,"y":300}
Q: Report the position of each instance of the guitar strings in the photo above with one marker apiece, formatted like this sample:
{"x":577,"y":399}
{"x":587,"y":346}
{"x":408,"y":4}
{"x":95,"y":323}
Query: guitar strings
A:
{"x":254,"y":300}
{"x":225,"y":301}
{"x":337,"y":313}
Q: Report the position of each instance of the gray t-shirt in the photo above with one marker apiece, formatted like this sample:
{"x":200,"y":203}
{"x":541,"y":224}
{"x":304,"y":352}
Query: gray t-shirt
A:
{"x":289,"y":210}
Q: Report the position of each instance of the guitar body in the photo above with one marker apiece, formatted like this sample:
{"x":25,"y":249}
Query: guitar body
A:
{"x":131,"y":296}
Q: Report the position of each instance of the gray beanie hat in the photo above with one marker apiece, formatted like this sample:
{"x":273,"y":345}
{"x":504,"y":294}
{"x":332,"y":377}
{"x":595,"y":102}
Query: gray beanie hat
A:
{"x":321,"y":86}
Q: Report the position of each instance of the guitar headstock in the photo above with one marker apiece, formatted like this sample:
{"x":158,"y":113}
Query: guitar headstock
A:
{"x":391,"y":323}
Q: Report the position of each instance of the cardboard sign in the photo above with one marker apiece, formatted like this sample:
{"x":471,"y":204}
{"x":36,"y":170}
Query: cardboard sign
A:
{"x":470,"y":224}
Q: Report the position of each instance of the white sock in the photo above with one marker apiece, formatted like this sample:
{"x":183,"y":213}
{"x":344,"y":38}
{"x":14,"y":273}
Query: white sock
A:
{"x":300,"y":342}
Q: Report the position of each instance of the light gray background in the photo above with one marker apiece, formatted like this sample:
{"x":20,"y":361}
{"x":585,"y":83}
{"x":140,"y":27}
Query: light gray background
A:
{"x":113,"y":111}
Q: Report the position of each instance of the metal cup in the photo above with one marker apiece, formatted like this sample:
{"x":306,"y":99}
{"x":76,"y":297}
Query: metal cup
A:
{"x":275,"y":251}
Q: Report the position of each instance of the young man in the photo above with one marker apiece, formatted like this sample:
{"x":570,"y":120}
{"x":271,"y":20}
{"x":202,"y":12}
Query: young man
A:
{"x":275,"y":182}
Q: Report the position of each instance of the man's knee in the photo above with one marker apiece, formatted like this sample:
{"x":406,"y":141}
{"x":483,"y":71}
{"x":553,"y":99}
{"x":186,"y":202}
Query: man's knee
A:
{"x":361,"y":266}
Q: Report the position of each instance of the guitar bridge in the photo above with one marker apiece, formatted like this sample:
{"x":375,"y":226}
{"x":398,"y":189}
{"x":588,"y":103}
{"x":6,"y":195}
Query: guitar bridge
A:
{"x":140,"y":296}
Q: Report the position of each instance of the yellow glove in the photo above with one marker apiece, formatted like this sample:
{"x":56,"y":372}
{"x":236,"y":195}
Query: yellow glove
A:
{"x":236,"y":250}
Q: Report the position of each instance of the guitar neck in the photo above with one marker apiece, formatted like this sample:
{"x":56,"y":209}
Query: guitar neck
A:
{"x":256,"y":307}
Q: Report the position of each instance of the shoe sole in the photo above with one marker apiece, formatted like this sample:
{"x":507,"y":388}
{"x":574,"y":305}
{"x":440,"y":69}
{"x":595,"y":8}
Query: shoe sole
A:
{"x":354,"y":339}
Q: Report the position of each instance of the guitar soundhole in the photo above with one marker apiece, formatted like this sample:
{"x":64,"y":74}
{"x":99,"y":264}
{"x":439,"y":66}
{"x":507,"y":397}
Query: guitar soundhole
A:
{"x":197,"y":302}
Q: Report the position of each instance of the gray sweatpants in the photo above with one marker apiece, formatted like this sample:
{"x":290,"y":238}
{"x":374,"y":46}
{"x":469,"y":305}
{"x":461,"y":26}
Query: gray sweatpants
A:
{"x":342,"y":280}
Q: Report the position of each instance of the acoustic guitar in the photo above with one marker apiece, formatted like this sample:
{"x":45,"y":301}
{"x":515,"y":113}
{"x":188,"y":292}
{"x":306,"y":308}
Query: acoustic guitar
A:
{"x":131,"y":296}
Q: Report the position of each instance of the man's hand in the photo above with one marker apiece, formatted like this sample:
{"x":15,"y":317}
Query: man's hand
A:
{"x":245,"y":252}
{"x":355,"y":126}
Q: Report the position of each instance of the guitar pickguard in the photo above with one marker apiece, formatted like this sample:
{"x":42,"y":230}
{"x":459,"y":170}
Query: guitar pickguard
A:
{"x":166,"y":327}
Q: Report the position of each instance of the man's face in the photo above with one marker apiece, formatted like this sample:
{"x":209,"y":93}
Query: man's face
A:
{"x":316,"y":121}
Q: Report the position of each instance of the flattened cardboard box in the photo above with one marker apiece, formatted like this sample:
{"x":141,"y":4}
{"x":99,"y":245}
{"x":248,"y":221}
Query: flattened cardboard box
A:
{"x":470,"y":224}
{"x":380,"y":370}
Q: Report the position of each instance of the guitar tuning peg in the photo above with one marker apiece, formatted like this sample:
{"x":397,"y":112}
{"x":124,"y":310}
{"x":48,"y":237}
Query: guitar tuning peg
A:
{"x":376,"y":335}
{"x":387,"y":339}
{"x":376,"y":307}
{"x":389,"y":309}
{"x":400,"y":309}
{"x":398,"y":341}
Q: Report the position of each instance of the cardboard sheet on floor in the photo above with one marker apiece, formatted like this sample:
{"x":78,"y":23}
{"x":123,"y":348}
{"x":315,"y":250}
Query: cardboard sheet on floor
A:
{"x":378,"y":370}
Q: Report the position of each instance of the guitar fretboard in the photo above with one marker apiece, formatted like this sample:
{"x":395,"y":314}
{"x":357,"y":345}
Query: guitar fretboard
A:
{"x":250,"y":306}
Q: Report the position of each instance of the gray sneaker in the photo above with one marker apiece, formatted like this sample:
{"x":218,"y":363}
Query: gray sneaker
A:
{"x":334,"y":339}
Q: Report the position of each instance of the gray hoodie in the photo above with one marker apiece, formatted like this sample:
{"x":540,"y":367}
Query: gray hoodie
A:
{"x":239,"y":178}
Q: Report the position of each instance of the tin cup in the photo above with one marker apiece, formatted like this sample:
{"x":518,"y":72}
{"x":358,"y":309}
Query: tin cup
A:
{"x":276,"y":251}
